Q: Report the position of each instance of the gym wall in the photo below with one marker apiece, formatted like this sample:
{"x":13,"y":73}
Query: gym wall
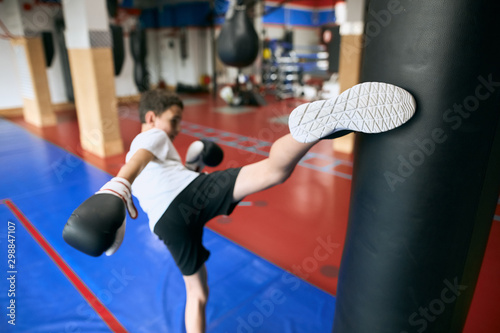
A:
{"x":35,"y":20}
{"x":165,"y":60}
{"x":38,"y":17}
{"x":304,"y":17}
{"x":10,"y":94}
{"x":178,"y":38}
{"x":166,"y":31}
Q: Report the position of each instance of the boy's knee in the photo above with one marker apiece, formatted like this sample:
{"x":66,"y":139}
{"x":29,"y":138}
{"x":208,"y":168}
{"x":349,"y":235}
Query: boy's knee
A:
{"x":198,"y":295}
{"x":279,"y":177}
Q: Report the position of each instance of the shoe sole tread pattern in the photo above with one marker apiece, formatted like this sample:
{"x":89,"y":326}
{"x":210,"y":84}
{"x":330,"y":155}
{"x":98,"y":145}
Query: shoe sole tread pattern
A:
{"x":370,"y":107}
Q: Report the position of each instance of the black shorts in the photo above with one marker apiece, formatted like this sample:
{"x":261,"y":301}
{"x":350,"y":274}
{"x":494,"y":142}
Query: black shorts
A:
{"x":181,"y":226}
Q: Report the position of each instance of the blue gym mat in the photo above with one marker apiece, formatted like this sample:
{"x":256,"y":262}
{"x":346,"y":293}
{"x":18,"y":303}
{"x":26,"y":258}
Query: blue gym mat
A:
{"x":139,"y":289}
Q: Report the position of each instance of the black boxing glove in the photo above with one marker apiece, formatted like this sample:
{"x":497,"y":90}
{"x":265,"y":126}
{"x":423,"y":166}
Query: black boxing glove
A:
{"x":203,"y":153}
{"x":98,"y":224}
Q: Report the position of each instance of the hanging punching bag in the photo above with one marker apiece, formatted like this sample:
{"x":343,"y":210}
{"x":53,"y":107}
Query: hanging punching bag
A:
{"x":112,"y":6}
{"x":118,"y":47}
{"x":48,"y":47}
{"x":59,"y":25}
{"x":138,"y":49}
{"x":238,"y":43}
{"x":141,"y":77}
{"x":423,"y":195}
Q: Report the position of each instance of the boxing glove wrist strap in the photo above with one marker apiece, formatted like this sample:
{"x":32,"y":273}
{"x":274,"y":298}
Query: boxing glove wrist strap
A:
{"x":121,"y":188}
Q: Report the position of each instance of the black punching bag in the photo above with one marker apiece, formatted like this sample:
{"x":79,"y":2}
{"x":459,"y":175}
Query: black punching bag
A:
{"x":60,"y":28}
{"x":118,"y":47}
{"x":238,"y":43}
{"x":138,"y":49}
{"x":423,"y":195}
{"x":48,"y":47}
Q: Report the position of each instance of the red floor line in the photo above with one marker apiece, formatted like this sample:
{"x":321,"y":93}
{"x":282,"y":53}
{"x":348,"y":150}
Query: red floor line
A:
{"x":93,"y":301}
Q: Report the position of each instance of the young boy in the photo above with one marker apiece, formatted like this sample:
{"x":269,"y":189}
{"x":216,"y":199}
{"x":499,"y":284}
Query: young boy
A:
{"x":179,"y":201}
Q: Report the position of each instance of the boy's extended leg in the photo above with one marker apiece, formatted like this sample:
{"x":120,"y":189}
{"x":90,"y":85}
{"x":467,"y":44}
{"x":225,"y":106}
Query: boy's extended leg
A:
{"x":196,"y":300}
{"x":370,"y":107}
{"x":285,"y":153}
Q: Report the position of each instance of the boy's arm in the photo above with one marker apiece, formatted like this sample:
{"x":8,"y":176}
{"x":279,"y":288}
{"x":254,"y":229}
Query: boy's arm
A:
{"x":121,"y":184}
{"x":98,"y":224}
{"x":135,"y":165}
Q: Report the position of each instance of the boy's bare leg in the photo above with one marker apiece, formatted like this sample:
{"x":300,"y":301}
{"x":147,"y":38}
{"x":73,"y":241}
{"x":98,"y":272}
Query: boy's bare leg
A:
{"x":196,"y":300}
{"x":370,"y":107}
{"x":285,"y":153}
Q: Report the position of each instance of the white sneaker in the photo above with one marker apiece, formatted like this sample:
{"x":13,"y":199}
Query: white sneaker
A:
{"x":370,"y":107}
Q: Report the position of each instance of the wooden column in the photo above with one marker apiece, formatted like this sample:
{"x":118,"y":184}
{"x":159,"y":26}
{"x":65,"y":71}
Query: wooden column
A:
{"x":31,"y":65}
{"x":351,"y":55}
{"x":91,"y":61}
{"x":95,"y":100}
{"x":351,"y":47}
{"x":349,"y":71}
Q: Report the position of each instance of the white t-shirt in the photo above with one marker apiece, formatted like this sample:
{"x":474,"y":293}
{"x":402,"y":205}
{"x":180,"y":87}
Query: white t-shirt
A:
{"x":163,"y":178}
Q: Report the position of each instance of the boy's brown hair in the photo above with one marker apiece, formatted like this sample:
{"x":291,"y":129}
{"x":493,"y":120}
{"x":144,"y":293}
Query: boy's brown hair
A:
{"x":157,"y":101}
